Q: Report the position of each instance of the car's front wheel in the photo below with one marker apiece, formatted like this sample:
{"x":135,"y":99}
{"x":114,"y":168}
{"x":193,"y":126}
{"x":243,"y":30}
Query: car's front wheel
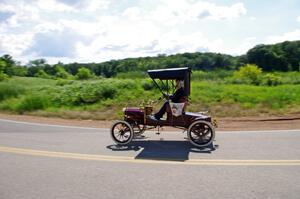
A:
{"x":121,"y":132}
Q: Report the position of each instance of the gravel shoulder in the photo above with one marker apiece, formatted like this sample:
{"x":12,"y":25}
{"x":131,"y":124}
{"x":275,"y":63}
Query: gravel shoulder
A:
{"x":288,"y":122}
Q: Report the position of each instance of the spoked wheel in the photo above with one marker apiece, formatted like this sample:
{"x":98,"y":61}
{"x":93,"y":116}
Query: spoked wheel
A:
{"x":121,"y":132}
{"x":201,"y":133}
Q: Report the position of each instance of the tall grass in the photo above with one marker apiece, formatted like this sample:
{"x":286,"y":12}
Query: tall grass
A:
{"x":289,"y":77}
{"x":32,"y":103}
{"x":258,"y":98}
{"x":104,"y":98}
{"x":217,"y":75}
{"x":132,"y":75}
{"x":9,"y":90}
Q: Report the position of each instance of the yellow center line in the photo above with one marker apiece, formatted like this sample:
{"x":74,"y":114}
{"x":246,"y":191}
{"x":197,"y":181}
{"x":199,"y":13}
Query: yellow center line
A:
{"x":108,"y":158}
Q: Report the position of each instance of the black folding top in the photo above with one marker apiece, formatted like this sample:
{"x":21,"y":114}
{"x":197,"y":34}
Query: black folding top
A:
{"x":170,"y":73}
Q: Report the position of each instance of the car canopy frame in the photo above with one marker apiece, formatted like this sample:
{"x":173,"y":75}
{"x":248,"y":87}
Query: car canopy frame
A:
{"x":169,"y":75}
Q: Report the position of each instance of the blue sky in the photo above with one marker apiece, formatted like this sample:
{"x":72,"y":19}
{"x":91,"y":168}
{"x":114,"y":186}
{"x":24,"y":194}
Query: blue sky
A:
{"x":100,"y":30}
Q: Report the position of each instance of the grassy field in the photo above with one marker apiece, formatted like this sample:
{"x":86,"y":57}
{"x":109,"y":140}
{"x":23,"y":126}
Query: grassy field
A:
{"x":104,"y":98}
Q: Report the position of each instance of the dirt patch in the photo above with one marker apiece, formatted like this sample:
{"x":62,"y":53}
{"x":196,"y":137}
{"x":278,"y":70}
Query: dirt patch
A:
{"x":287,"y":122}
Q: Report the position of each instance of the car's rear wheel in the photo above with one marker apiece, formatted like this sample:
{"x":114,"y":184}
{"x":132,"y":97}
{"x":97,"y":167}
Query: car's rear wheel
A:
{"x":201,"y":133}
{"x":121,"y":132}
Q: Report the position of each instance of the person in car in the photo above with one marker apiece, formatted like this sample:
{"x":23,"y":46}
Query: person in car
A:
{"x":175,"y":98}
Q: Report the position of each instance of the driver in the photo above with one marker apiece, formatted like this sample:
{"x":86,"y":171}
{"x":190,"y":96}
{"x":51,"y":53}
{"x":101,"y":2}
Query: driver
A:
{"x":175,"y":98}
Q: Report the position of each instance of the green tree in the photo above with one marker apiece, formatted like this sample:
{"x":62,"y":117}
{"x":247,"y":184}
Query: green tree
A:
{"x":3,"y":76}
{"x":84,"y":73}
{"x":42,"y":74}
{"x":283,"y":56}
{"x":249,"y":74}
{"x":62,"y":73}
{"x":37,"y":63}
{"x":9,"y":63}
{"x":19,"y":71}
{"x":2,"y":65}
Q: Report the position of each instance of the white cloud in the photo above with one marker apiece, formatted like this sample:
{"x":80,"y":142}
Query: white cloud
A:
{"x":132,"y":13}
{"x":242,"y":48}
{"x":53,"y":6}
{"x":121,"y":39}
{"x":94,"y":5}
{"x":174,"y":42}
{"x":6,"y":7}
{"x":172,"y":13}
{"x":219,"y":12}
{"x":15,"y":44}
{"x":74,"y":30}
{"x":87,"y":29}
{"x":54,"y":43}
{"x":298,"y":19}
{"x":146,"y":40}
{"x":289,"y":36}
{"x":21,"y":13}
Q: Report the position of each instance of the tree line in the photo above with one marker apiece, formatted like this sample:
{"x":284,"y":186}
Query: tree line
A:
{"x":283,"y":56}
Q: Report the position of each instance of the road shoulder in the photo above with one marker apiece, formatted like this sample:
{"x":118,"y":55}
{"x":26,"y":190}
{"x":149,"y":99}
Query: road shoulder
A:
{"x":225,"y":124}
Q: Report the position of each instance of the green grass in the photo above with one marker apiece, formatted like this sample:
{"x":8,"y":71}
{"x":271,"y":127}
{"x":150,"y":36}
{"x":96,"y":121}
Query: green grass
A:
{"x":9,"y":90}
{"x":105,"y":98}
{"x":251,"y":100}
{"x":217,"y":75}
{"x":289,"y":77}
{"x":31,"y":82}
{"x":132,"y":75}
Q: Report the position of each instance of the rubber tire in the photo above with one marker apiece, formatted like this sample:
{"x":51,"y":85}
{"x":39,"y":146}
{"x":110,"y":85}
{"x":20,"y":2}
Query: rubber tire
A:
{"x":113,"y":137}
{"x":212,"y":132}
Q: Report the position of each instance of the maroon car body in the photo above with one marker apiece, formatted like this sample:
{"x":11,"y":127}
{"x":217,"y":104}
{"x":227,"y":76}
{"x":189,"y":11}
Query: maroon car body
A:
{"x":137,"y":115}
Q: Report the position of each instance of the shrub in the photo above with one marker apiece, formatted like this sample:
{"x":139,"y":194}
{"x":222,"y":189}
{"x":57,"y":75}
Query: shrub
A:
{"x":68,"y":95}
{"x":19,"y":71}
{"x":248,"y":74}
{"x":87,"y":92}
{"x":3,"y":65}
{"x":148,"y":85}
{"x":92,"y":93}
{"x":84,"y":73}
{"x":123,"y":84}
{"x":33,"y":102}
{"x":289,"y":77}
{"x":62,"y":82}
{"x":3,"y":76}
{"x":211,"y":75}
{"x":8,"y":90}
{"x":108,"y":92}
{"x":271,"y":80}
{"x":62,"y":73}
{"x":42,"y":74}
{"x":131,"y":75}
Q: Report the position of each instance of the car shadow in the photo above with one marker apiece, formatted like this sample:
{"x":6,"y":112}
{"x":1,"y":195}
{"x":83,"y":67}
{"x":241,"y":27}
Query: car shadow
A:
{"x":163,"y":149}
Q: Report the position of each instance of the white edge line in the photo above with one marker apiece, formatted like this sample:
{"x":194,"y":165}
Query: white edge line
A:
{"x":52,"y":125}
{"x":261,"y":131}
{"x":93,"y":128}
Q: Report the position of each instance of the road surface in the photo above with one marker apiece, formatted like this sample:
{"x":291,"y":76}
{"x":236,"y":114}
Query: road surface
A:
{"x":48,"y":161}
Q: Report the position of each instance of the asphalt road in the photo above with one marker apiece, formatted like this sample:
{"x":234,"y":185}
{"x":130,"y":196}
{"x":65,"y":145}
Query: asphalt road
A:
{"x":44,"y":161}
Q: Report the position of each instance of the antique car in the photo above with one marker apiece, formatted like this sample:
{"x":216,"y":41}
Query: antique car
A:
{"x":200,"y":127}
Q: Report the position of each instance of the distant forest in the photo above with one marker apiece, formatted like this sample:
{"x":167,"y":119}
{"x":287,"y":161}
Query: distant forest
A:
{"x":283,"y":56}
